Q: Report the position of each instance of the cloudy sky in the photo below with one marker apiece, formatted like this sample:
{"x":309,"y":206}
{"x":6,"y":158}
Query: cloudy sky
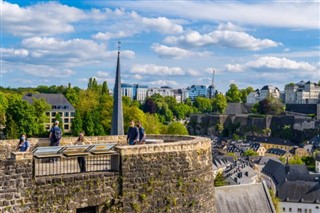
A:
{"x":164,"y":43}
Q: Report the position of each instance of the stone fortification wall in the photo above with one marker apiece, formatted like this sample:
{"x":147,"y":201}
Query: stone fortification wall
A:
{"x":203,"y":124}
{"x":175,"y":176}
{"x":21,"y":193}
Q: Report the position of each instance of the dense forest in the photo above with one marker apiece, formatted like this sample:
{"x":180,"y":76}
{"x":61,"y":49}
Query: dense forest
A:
{"x":159,"y":115}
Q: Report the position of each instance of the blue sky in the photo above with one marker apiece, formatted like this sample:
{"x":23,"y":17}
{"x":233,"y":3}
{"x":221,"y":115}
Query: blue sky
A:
{"x":164,"y":43}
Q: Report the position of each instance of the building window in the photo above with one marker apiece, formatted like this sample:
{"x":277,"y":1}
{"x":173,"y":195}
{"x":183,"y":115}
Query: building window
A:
{"x":290,"y":210}
{"x":66,"y":114}
{"x":66,"y":126}
{"x":90,"y":209}
{"x":66,"y":120}
{"x":72,"y":114}
{"x":53,"y":120}
{"x":53,"y":114}
{"x":283,"y":209}
{"x":60,"y":114}
{"x":299,"y":210}
{"x":47,"y":113}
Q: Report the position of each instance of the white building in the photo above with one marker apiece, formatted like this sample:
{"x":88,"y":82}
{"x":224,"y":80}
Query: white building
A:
{"x":163,"y":91}
{"x":259,"y":95}
{"x":302,"y":93}
{"x":134,"y":91}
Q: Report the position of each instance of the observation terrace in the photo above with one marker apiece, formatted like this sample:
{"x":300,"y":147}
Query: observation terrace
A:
{"x":173,"y":176}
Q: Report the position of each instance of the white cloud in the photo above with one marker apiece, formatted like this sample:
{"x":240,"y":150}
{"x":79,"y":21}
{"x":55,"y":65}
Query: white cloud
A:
{"x":9,"y":52}
{"x":176,"y":52}
{"x":229,"y":27}
{"x":234,"y":68}
{"x":74,"y":52}
{"x":163,"y":83}
{"x":102,"y":74}
{"x":302,"y":14}
{"x":233,"y":39}
{"x":162,"y":24}
{"x":152,"y":69}
{"x":43,"y":19}
{"x":269,"y":63}
{"x":274,"y":63}
{"x":126,"y":24}
{"x":108,"y":35}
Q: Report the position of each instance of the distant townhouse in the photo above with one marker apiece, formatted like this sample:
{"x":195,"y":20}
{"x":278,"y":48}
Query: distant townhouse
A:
{"x":180,"y":95}
{"x":134,"y":91}
{"x":221,"y":163}
{"x":302,"y":93}
{"x":297,"y":189}
{"x":277,"y":153}
{"x":240,"y":173}
{"x":266,"y":91}
{"x":197,"y":90}
{"x":59,"y":105}
{"x":268,"y":142}
{"x":259,"y":149}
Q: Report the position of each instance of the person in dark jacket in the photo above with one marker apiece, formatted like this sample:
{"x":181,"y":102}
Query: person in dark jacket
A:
{"x":133,"y":134}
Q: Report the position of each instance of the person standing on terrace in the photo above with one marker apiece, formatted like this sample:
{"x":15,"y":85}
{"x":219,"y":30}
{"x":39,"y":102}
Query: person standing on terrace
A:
{"x":23,"y":145}
{"x":81,"y":160}
{"x":142,"y":134}
{"x":133,"y":134}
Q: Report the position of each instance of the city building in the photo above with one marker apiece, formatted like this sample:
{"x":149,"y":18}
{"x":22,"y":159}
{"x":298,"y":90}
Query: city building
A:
{"x":259,"y":95}
{"x":197,"y":90}
{"x":59,"y":104}
{"x":317,"y":162}
{"x":268,"y":142}
{"x":134,"y":91}
{"x":302,"y":93}
{"x":163,"y":91}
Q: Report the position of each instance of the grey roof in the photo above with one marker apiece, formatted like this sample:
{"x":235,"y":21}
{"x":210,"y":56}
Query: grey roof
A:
{"x":262,"y":160}
{"x":275,"y":151}
{"x":249,"y":198}
{"x":117,"y":113}
{"x":275,"y":170}
{"x":270,"y":140}
{"x":299,"y":191}
{"x":52,"y":99}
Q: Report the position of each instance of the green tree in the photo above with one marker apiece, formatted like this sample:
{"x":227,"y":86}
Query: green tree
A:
{"x":219,"y":180}
{"x":11,"y":129}
{"x":88,"y":124}
{"x":105,"y":89}
{"x":132,"y":113}
{"x":180,"y":111}
{"x":275,"y":200}
{"x":204,"y":105}
{"x":23,"y":115}
{"x":152,"y":125}
{"x":269,"y":106}
{"x":219,"y":103}
{"x":150,"y":106}
{"x":177,"y":128}
{"x":233,"y":94}
{"x":250,"y":152}
{"x":218,"y":128}
{"x":244,"y":93}
{"x":3,"y":107}
{"x":40,"y":108}
{"x":76,"y":125}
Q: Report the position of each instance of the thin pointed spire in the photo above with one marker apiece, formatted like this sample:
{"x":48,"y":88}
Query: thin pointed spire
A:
{"x":117,"y":114}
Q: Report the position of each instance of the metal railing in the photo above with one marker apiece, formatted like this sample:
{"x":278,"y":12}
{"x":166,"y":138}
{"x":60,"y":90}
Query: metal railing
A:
{"x":46,"y":166}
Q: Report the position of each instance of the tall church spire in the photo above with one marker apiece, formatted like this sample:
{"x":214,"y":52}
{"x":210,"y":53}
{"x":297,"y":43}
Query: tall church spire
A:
{"x":117,"y":114}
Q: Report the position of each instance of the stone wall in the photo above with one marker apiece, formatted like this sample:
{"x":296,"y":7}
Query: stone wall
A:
{"x":22,"y":193}
{"x":175,"y":176}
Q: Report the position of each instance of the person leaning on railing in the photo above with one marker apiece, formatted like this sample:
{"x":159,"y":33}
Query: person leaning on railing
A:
{"x":81,"y":160}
